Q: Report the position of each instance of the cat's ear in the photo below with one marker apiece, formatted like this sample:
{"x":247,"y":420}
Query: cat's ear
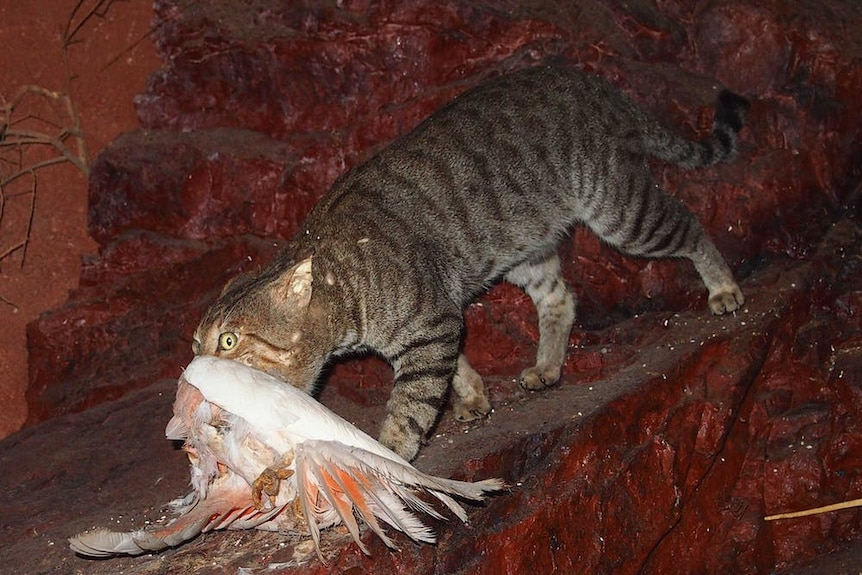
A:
{"x":294,"y":286}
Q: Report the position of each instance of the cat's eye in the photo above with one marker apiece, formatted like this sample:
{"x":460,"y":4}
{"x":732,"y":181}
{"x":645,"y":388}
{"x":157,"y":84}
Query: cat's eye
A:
{"x":227,"y":341}
{"x":196,"y":346}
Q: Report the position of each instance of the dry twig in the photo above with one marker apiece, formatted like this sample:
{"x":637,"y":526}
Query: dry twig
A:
{"x":21,"y":133}
{"x":97,"y":10}
{"x":816,"y":510}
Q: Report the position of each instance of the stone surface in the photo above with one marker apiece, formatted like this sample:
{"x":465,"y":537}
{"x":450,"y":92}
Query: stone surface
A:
{"x":323,"y":97}
{"x":672,"y":433}
{"x":133,"y":302}
{"x":101,"y":68}
{"x":663,"y":458}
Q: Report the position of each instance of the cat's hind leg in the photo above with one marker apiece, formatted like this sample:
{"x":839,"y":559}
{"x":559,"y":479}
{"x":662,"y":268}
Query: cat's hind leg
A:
{"x":648,"y":222}
{"x":543,"y":281}
{"x":471,"y":399}
{"x":724,"y":293}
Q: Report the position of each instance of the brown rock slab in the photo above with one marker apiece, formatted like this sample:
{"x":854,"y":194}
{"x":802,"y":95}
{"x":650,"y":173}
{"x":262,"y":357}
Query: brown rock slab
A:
{"x":672,"y":432}
{"x":133,"y":306}
{"x":667,"y":461}
{"x":209,"y":184}
{"x":324,"y":88}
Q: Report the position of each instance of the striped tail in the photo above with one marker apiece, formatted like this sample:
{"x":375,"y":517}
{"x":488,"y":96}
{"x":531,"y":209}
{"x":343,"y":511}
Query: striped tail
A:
{"x":720,"y":146}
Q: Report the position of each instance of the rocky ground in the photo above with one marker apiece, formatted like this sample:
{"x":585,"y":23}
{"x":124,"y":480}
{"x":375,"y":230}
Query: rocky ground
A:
{"x":672,"y":434}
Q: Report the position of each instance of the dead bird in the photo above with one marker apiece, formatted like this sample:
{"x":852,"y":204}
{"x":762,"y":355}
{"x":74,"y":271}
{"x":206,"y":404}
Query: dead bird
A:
{"x":266,"y":455}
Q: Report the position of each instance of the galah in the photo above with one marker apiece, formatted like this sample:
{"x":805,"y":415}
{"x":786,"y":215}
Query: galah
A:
{"x":266,"y":455}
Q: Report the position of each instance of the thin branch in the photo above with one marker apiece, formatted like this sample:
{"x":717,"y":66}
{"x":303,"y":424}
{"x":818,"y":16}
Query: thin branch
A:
{"x":31,"y":168}
{"x":13,"y":249}
{"x":30,"y":217}
{"x":135,"y":44}
{"x":34,"y":89}
{"x":78,"y":132}
{"x":22,"y":245}
{"x":13,"y":137}
{"x":14,"y":143}
{"x":99,"y":10}
{"x":816,"y":510}
{"x":65,"y":153}
{"x":67,"y":33}
{"x":18,"y":141}
{"x":7,"y":302}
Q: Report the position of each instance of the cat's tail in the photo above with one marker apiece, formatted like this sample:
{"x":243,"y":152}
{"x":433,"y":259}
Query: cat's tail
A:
{"x":720,"y":146}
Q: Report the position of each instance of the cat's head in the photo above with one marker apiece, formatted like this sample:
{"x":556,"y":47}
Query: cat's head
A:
{"x":263,"y":321}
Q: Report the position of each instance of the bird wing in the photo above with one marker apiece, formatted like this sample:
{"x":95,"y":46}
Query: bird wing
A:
{"x":280,"y":413}
{"x":228,"y":506}
{"x":236,"y":421}
{"x":356,"y":482}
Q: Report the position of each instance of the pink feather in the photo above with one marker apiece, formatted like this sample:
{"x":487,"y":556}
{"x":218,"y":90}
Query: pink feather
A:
{"x":237,"y":423}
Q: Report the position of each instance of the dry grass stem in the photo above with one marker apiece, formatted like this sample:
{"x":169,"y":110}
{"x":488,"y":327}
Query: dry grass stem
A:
{"x":20,"y":133}
{"x":26,"y":131}
{"x":817,"y":510}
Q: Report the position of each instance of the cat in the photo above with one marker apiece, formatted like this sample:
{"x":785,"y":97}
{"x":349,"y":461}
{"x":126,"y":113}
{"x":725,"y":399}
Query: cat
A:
{"x":482,"y":190}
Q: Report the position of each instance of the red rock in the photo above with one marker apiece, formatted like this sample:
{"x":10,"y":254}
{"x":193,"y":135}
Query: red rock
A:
{"x":671,"y":434}
{"x":743,"y":45}
{"x":317,"y":69}
{"x":203,"y":185}
{"x":133,"y":329}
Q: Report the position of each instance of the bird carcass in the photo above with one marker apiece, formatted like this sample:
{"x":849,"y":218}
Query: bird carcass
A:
{"x":266,"y":455}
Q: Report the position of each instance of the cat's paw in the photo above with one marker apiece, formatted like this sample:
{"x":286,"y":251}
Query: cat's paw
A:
{"x":400,"y":440}
{"x":470,"y":398}
{"x":537,"y":379}
{"x":477,"y":407}
{"x":726,"y":300}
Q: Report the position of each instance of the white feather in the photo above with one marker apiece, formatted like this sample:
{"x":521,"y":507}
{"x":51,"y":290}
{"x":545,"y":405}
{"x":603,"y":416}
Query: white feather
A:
{"x":104,"y":543}
{"x":279,"y":412}
{"x":238,"y":422}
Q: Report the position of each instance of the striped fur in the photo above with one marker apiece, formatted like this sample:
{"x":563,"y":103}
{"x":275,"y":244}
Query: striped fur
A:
{"x":481,"y":191}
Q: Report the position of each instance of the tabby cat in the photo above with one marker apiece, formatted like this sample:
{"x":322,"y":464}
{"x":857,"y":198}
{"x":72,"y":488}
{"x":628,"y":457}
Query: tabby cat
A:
{"x":482,"y":190}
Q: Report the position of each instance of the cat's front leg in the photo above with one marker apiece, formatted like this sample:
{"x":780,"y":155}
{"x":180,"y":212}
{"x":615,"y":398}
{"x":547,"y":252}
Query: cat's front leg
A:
{"x":423,"y":371}
{"x":471,"y":399}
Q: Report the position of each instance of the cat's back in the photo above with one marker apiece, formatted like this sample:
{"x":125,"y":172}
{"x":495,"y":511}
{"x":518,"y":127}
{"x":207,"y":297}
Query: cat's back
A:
{"x":544,"y":104}
{"x":482,"y":182}
{"x":528,"y":124}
